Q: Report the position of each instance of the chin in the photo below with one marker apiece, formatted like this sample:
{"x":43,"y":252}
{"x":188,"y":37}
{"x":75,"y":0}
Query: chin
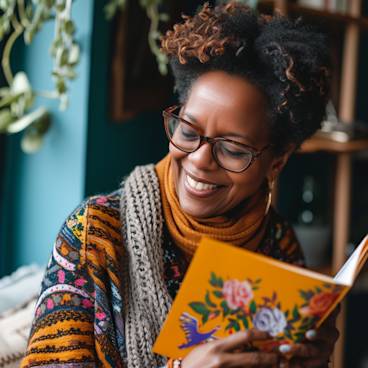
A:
{"x":196,"y":210}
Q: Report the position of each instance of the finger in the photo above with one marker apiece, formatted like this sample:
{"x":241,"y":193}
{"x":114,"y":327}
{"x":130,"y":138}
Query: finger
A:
{"x":331,"y":319}
{"x":240,"y":339}
{"x":305,"y":350}
{"x":253,"y":359}
{"x":326,"y":333}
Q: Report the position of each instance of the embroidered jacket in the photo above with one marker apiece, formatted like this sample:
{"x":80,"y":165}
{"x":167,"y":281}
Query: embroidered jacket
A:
{"x":77,"y":319}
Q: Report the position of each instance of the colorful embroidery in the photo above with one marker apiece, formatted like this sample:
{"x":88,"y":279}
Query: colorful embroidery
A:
{"x":78,"y":319}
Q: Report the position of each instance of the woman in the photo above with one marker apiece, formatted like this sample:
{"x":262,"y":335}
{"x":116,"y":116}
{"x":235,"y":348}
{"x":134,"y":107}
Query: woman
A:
{"x":251,"y":89}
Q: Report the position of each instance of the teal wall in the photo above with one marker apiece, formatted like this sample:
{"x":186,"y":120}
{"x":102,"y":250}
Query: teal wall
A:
{"x":84,"y":153}
{"x":44,"y":187}
{"x":114,"y":148}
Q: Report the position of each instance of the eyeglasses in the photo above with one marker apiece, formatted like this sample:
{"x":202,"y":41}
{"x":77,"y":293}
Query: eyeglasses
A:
{"x":230,"y":155}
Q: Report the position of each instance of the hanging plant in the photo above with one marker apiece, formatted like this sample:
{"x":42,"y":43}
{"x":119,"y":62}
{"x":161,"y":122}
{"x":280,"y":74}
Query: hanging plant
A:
{"x":26,"y":18}
{"x":152,"y":9}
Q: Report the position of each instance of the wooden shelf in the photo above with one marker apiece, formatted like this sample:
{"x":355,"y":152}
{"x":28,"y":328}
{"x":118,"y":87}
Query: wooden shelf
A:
{"x":317,"y":15}
{"x":318,"y":144}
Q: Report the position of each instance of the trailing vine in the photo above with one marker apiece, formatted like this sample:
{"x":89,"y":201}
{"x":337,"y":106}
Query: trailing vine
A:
{"x":26,"y":18}
{"x":22,"y":17}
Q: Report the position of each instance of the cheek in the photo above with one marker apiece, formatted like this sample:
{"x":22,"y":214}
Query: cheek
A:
{"x":249,"y":182}
{"x":176,"y":156}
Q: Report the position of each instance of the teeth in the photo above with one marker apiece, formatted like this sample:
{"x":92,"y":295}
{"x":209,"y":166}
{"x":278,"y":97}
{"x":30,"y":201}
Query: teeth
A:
{"x":199,"y":185}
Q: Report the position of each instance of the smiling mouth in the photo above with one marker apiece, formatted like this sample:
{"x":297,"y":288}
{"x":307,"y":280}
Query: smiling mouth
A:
{"x":199,"y":188}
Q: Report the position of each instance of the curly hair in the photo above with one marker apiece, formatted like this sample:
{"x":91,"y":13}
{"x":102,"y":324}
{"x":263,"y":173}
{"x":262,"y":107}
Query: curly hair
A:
{"x":286,"y":59}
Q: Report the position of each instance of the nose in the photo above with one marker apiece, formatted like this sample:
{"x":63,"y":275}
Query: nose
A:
{"x":202,"y":158}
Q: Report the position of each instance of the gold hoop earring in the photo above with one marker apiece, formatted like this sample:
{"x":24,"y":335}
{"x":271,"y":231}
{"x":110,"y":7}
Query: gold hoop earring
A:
{"x":269,"y":199}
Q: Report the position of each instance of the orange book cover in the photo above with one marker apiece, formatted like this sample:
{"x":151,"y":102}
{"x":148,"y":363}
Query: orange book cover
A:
{"x":227,"y":289}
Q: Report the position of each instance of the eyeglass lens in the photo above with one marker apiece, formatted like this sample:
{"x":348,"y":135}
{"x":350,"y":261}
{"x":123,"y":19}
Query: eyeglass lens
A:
{"x":229,"y":155}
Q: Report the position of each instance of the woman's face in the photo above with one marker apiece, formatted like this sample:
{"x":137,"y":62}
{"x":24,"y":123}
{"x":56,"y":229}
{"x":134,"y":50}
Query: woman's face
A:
{"x":221,"y":105}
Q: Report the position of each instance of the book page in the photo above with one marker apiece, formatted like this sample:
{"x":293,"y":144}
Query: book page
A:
{"x":352,"y":266}
{"x":227,"y":289}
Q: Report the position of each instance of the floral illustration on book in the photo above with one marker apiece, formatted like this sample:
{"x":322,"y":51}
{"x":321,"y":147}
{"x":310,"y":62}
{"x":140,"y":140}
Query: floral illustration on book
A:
{"x":239,"y":305}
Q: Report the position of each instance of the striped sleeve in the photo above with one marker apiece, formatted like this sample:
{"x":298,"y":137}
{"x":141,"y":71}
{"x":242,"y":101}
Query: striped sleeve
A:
{"x":62,"y":332}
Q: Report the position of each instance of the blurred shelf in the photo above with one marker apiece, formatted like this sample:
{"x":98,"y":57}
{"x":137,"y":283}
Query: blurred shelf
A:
{"x":318,"y":144}
{"x":319,"y":15}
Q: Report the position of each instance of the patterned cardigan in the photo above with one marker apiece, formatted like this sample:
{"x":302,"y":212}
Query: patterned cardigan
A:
{"x":75,"y":324}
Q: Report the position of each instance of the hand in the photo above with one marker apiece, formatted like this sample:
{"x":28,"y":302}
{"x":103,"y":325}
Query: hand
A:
{"x":316,"y":352}
{"x":229,"y":352}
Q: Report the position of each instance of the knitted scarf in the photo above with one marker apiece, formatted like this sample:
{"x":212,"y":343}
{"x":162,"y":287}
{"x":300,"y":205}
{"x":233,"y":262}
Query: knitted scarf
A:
{"x":145,"y":295}
{"x":245,"y":228}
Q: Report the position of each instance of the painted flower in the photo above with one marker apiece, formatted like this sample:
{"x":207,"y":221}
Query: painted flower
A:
{"x":80,"y":282}
{"x":320,"y":303}
{"x":237,"y":293}
{"x":50,"y":303}
{"x":61,"y":276}
{"x":87,"y":303}
{"x":101,"y":200}
{"x":271,"y":320}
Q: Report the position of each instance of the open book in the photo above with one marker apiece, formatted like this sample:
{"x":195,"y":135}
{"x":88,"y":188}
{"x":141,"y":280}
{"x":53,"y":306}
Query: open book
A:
{"x":227,"y":289}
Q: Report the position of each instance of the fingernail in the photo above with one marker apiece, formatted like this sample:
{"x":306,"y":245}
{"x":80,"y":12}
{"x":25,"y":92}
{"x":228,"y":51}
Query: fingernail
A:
{"x":311,"y":334}
{"x":284,"y":348}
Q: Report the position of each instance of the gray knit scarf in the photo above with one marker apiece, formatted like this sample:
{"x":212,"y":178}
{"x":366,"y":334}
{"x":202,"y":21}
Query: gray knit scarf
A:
{"x":145,"y":296}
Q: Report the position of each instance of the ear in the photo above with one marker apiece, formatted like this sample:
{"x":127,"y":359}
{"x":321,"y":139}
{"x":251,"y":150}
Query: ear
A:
{"x":278,"y":163}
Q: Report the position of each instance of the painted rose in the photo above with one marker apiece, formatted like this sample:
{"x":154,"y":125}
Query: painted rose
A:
{"x":320,"y":303}
{"x":237,"y":293}
{"x":270,"y":320}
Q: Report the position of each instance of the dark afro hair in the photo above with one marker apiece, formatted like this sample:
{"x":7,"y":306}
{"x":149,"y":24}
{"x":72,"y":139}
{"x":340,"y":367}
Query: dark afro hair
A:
{"x":286,"y":59}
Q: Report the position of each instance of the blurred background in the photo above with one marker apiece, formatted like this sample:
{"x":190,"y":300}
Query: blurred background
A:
{"x":103,"y":117}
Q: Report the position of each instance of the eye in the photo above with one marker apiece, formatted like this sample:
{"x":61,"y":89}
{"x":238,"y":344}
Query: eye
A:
{"x":231,"y":150}
{"x":187,"y":132}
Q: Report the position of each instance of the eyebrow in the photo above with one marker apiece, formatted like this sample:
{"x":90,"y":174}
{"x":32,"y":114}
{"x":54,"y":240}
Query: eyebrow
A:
{"x":234,"y":135}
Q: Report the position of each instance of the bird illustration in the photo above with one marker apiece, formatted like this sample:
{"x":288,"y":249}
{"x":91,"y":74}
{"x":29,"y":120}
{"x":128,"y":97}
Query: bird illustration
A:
{"x":190,"y":326}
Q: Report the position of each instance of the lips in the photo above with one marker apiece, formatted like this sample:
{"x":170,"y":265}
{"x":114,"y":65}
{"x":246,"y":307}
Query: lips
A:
{"x":199,"y":188}
{"x":198,"y":185}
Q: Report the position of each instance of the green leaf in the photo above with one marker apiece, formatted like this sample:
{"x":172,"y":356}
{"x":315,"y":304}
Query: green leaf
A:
{"x":303,"y":294}
{"x":164,"y":17}
{"x":288,"y":335}
{"x":225,"y":308}
{"x":213,"y":279}
{"x":296,"y":315}
{"x":33,"y":136}
{"x":199,"y":308}
{"x":26,"y":120}
{"x":69,"y":27}
{"x":299,"y":336}
{"x":74,"y":54}
{"x":253,"y":307}
{"x":245,"y":322}
{"x":216,"y":281}
{"x":20,"y":83}
{"x":234,"y":324}
{"x":31,"y":142}
{"x":217,"y":294}
{"x":208,"y":300}
{"x":8,"y":99}
{"x":60,"y":86}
